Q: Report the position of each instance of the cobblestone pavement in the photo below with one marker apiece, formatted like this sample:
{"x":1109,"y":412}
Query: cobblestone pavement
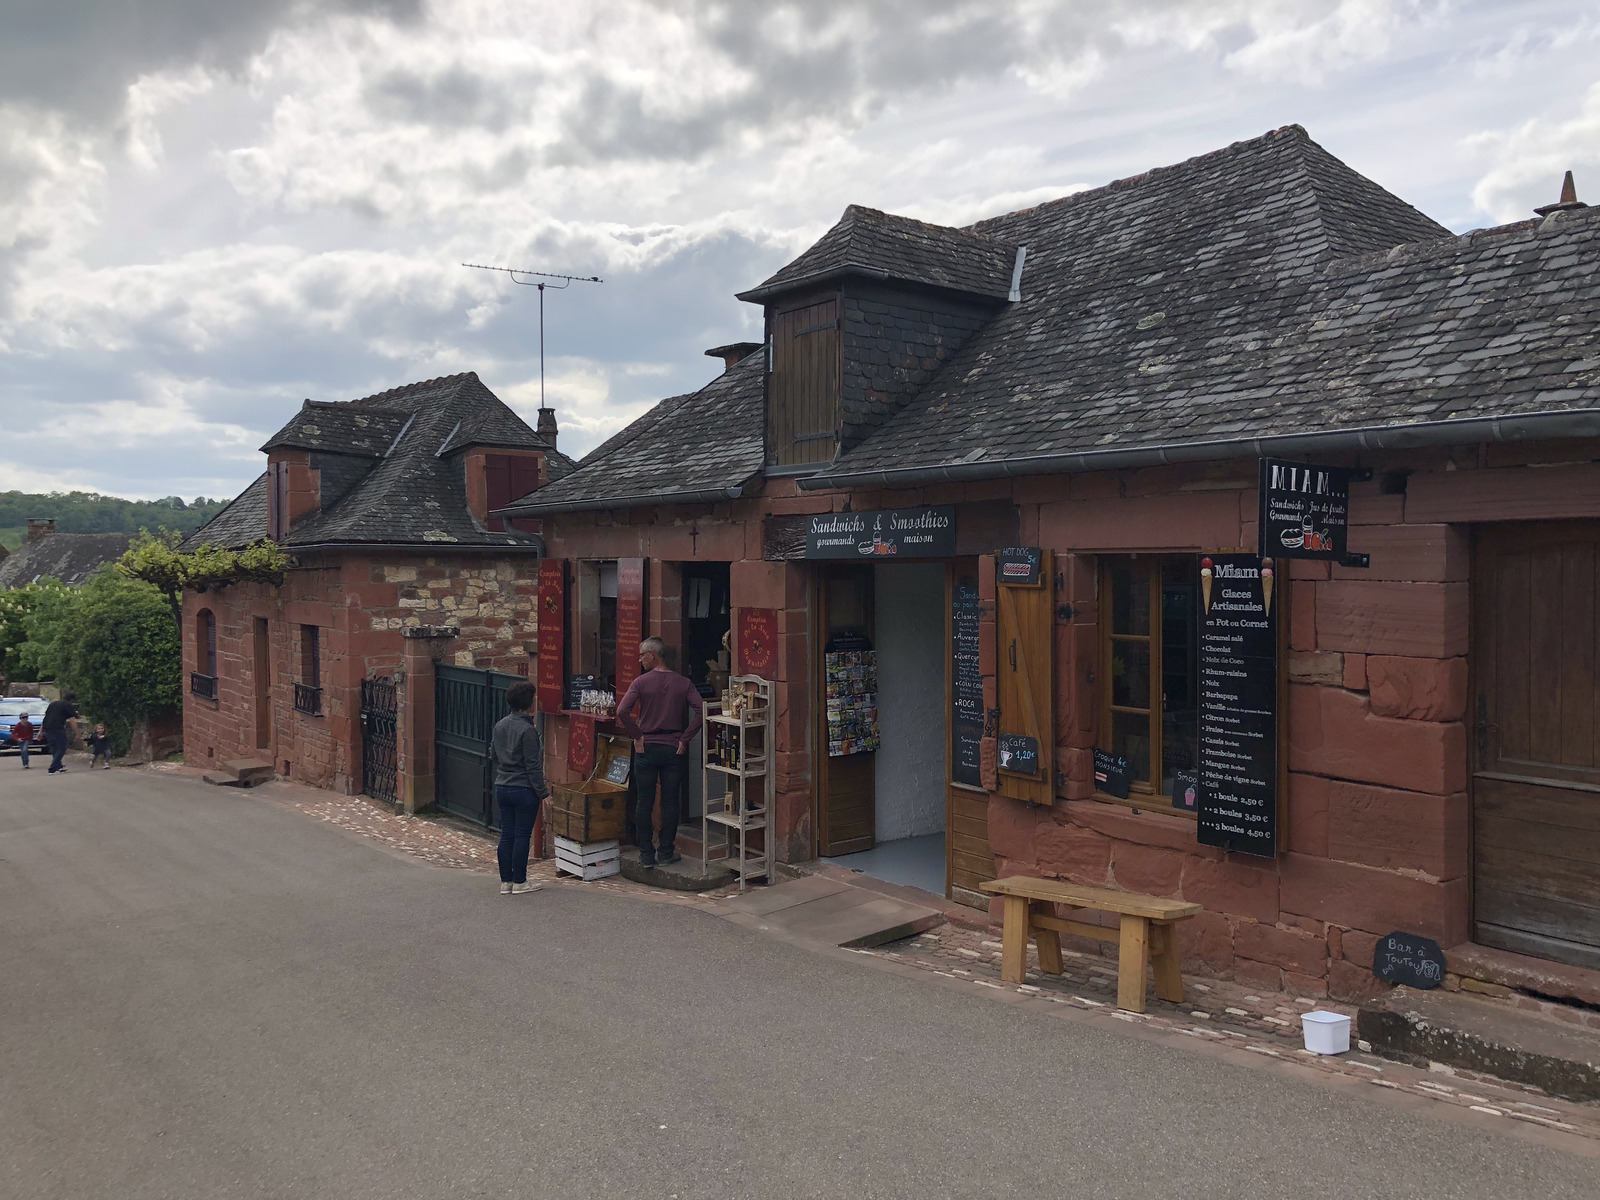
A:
{"x":1218,"y":1011}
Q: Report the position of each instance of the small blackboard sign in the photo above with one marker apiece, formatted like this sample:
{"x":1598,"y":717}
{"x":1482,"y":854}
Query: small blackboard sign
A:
{"x":1112,"y":774}
{"x":1018,"y":566}
{"x":617,"y":772}
{"x":1409,"y":959}
{"x":1305,"y":510}
{"x":1019,"y":754}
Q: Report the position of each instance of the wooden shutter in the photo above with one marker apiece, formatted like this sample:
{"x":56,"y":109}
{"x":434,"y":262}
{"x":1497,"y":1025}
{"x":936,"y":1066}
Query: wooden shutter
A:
{"x":527,"y":477}
{"x":552,"y":682}
{"x":630,"y":620}
{"x":277,"y":501}
{"x":1025,"y":671}
{"x":803,"y":414}
{"x":497,"y":484}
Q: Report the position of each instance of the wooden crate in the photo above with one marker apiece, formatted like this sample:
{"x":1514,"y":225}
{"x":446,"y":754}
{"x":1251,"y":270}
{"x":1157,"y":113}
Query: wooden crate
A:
{"x":595,"y":860}
{"x":596,"y":809}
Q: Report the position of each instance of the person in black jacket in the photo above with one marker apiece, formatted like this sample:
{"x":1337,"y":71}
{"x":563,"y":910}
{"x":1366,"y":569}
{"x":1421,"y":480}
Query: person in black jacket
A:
{"x":519,"y":786}
{"x":60,"y":718}
{"x":100,"y":747}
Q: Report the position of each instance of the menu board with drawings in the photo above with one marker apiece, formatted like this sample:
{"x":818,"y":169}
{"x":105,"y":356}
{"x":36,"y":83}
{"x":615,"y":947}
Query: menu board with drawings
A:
{"x":1238,"y":785}
{"x":852,"y":683}
{"x":966,"y":689}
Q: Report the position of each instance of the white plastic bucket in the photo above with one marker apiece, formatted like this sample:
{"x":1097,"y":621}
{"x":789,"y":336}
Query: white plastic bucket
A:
{"x":1326,"y":1032}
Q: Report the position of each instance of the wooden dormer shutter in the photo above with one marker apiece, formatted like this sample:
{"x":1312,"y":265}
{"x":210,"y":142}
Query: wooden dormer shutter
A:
{"x":277,"y":501}
{"x":803,"y":407}
{"x":1025,"y":676}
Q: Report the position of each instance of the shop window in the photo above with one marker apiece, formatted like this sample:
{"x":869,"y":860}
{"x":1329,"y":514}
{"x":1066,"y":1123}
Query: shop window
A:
{"x":594,"y":647}
{"x":1149,"y":667}
{"x":308,"y":692}
{"x":706,"y":622}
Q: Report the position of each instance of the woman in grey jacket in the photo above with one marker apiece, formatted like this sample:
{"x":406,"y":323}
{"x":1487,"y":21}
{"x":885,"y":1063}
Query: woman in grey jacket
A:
{"x":519,"y":786}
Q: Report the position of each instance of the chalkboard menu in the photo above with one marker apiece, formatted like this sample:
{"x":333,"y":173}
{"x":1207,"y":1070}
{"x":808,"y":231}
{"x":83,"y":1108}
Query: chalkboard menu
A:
{"x":1018,"y":566}
{"x":1409,"y":959}
{"x":1305,"y":510}
{"x":966,"y":690}
{"x":1237,"y":804}
{"x":576,"y":687}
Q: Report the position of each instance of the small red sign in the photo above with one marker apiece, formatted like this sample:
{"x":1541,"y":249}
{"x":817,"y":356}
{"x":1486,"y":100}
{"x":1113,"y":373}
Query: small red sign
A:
{"x":758,"y":642}
{"x":580,"y":744}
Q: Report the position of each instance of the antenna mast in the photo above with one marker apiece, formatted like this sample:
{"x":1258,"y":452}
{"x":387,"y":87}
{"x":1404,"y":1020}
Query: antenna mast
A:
{"x":537,"y":279}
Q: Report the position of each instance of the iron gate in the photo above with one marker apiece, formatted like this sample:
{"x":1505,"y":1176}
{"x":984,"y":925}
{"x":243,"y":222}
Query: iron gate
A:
{"x":378,"y":727}
{"x":467,"y":702}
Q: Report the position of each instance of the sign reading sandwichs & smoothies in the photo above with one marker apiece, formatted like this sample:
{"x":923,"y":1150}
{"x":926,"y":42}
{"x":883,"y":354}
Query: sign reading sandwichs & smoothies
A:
{"x":892,"y":533}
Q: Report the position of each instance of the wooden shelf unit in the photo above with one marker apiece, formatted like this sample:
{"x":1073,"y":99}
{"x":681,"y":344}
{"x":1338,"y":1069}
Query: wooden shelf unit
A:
{"x":748,"y":788}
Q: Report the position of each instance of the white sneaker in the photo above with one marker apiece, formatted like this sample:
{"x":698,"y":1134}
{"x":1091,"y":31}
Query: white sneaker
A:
{"x":505,"y":889}
{"x":533,"y":885}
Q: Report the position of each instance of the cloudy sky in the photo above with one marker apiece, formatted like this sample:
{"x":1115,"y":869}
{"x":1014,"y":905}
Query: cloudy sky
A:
{"x":210,"y":209}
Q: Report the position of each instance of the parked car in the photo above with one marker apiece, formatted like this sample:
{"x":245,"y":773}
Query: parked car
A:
{"x":12,"y":708}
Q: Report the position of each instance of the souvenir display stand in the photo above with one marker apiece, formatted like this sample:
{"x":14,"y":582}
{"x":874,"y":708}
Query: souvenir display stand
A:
{"x":738,"y":750}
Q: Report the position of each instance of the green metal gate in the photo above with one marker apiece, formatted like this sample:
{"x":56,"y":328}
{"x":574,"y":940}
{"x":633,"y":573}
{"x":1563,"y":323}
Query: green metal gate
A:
{"x":467,"y":702}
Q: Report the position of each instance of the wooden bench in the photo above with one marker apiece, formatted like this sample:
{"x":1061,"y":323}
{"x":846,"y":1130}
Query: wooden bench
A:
{"x":1147,"y":933}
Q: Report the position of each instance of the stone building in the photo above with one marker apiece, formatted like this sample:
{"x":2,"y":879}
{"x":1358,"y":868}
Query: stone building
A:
{"x":1095,"y":380}
{"x":384,"y":506}
{"x":68,"y":557}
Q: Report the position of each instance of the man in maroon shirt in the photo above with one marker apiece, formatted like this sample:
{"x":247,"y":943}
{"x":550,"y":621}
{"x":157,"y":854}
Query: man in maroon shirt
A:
{"x":661,"y":712}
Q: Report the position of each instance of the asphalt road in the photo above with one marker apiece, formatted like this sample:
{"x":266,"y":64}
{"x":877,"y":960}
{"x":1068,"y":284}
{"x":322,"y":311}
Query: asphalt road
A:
{"x":203,"y":995}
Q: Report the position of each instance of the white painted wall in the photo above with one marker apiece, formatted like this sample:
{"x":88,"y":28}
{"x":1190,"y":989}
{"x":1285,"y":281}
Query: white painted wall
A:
{"x":909,"y":767}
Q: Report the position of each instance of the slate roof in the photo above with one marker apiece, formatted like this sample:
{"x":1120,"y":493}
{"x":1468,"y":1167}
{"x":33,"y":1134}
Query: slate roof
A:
{"x":413,"y":492}
{"x":69,"y":557}
{"x":1262,"y":290}
{"x":696,"y":445}
{"x":878,"y":244}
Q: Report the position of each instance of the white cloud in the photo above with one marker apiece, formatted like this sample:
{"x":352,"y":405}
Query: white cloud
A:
{"x":278,"y":209}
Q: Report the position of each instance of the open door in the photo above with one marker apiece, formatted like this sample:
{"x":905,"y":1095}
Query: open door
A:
{"x":846,"y":801}
{"x":1536,"y":744}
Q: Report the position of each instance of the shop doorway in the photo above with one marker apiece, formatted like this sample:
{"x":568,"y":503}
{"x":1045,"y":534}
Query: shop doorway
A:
{"x":1536,"y":741}
{"x":706,"y":661}
{"x":886,"y":804}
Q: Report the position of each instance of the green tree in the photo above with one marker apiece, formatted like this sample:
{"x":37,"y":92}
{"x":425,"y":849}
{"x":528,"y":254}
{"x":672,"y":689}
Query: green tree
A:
{"x":16,"y":605}
{"x":154,"y":558}
{"x":113,"y":644}
{"x":90,"y":512}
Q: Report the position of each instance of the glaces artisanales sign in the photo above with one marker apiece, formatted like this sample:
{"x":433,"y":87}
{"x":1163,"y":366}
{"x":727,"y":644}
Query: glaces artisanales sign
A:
{"x":893,"y":533}
{"x":1305,"y":510}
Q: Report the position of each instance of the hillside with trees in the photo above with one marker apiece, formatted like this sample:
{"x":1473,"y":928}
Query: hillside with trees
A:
{"x":90,"y":512}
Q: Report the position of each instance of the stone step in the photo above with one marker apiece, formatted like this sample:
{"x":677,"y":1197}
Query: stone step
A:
{"x":1475,"y":1033}
{"x":684,"y":875}
{"x":241,"y":772}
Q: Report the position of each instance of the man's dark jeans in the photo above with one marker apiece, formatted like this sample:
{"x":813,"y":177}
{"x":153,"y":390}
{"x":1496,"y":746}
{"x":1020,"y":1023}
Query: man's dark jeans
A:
{"x":657,"y":764}
{"x":519,"y":808}
{"x":56,"y":741}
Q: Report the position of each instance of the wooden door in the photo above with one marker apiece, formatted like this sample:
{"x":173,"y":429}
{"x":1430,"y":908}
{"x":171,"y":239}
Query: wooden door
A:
{"x":803,"y":390}
{"x":969,"y":861}
{"x":846,"y":801}
{"x":262,"y":672}
{"x":1536,"y":742}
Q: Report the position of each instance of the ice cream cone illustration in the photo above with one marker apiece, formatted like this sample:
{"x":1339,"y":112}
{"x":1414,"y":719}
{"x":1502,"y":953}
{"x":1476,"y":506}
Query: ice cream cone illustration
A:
{"x":1205,"y":583}
{"x":1266,"y":581}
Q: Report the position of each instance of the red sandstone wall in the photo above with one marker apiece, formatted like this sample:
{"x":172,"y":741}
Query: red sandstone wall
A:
{"x":361,"y":604}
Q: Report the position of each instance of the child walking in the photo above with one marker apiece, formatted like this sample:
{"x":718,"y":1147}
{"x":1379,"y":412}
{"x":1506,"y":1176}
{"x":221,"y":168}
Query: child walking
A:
{"x":100,"y":747}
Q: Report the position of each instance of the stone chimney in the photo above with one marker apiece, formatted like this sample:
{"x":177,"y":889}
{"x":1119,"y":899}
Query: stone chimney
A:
{"x":733,"y":353}
{"x":40,"y":528}
{"x":1569,"y":199}
{"x":547,"y":426}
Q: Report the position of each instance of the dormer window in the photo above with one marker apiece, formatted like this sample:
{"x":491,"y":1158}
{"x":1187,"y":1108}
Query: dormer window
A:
{"x":803,"y":411}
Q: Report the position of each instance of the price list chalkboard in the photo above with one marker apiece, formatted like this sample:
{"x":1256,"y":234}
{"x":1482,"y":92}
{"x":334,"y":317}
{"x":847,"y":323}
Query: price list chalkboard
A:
{"x":966,"y":691}
{"x":1237,"y":801}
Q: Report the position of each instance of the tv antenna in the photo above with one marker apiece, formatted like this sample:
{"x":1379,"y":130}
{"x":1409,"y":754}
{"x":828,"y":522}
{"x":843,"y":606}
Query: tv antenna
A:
{"x":537,"y":279}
